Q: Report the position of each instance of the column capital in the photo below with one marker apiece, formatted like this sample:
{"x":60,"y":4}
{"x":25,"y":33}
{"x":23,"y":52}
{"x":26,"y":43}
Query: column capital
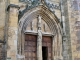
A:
{"x":14,"y":6}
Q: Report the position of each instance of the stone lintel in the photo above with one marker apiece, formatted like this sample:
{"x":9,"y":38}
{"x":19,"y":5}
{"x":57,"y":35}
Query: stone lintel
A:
{"x":13,"y":5}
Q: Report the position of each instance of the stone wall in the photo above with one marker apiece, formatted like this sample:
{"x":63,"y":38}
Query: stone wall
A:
{"x":72,"y":25}
{"x":2,"y":19}
{"x":74,"y":16}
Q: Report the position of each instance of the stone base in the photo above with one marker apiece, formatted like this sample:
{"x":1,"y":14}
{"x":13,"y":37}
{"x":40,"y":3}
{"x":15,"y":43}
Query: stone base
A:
{"x":58,"y":58}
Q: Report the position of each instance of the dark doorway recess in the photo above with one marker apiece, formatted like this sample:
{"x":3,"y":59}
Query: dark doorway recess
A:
{"x":45,"y":53}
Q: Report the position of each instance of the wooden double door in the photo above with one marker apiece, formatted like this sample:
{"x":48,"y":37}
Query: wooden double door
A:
{"x":30,"y":47}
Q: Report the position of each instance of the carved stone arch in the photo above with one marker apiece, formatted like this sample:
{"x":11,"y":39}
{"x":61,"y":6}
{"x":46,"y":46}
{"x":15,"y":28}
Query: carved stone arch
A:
{"x":39,"y":10}
{"x":48,"y":17}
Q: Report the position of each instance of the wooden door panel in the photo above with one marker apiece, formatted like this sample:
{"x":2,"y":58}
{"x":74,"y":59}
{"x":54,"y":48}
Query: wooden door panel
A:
{"x":46,"y":39}
{"x":31,"y":44}
{"x":44,"y":44}
{"x":30,"y":47}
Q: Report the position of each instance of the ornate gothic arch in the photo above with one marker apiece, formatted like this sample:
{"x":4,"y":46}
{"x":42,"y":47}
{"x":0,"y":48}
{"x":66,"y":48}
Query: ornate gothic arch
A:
{"x":50,"y":19}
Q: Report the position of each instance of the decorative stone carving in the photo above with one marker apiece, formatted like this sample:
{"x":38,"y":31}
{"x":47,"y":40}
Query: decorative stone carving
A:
{"x":39,"y":35}
{"x":33,"y":3}
{"x":39,"y":22}
{"x":52,"y":5}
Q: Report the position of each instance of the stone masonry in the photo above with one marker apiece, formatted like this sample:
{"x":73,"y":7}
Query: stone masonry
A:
{"x":69,"y":18}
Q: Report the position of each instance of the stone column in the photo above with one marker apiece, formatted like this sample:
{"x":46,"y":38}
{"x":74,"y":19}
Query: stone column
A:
{"x":12,"y":31}
{"x":39,"y":40}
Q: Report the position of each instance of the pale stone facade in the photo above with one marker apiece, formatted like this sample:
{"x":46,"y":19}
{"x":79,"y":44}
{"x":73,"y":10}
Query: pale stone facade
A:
{"x":59,"y":19}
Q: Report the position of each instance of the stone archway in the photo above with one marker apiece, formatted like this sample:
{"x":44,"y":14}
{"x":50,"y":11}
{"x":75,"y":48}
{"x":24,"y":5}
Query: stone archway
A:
{"x":53,"y":24}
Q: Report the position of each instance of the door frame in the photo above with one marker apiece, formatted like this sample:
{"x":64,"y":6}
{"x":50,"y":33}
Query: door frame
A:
{"x":27,"y":33}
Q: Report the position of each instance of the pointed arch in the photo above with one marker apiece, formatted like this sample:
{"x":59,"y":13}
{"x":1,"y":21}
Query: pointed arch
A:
{"x":46,"y":14}
{"x":50,"y":19}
